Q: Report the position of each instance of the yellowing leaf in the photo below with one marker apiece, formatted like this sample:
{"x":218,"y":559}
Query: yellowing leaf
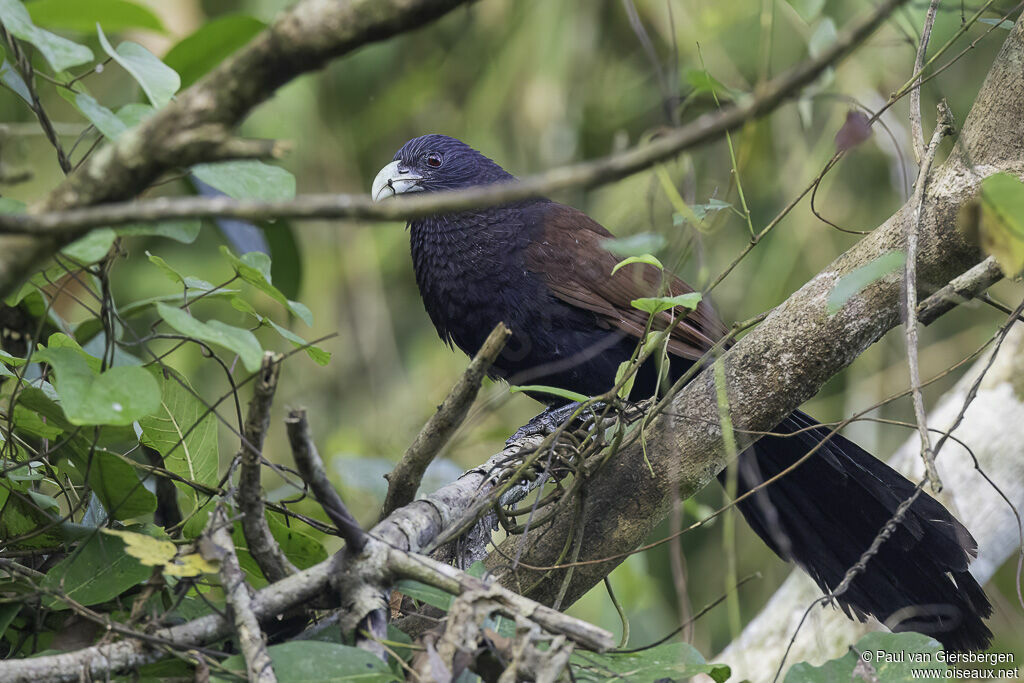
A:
{"x":146,"y":549}
{"x":192,"y":564}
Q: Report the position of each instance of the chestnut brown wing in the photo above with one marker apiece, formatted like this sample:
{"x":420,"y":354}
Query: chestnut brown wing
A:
{"x":566,"y":251}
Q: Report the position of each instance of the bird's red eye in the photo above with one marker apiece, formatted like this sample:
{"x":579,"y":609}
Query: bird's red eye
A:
{"x":434,"y":160}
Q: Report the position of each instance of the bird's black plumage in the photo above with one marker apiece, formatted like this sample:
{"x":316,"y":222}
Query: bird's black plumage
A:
{"x":538,"y":267}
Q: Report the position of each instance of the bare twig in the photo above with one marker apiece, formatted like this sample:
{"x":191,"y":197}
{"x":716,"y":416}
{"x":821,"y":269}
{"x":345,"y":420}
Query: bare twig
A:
{"x":56,"y":220}
{"x":311,"y":468}
{"x":219,"y":546}
{"x":404,"y":480}
{"x":455,"y":581}
{"x":916,"y":132}
{"x":962,"y":288}
{"x":943,"y":127}
{"x":265,"y":550}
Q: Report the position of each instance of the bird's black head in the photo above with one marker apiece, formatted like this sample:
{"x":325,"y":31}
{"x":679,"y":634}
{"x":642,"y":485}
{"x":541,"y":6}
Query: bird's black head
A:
{"x":436,"y":162}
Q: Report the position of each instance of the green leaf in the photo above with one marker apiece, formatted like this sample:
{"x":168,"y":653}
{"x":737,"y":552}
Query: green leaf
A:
{"x":878,"y":661}
{"x":20,"y":517}
{"x":10,"y":77}
{"x":712,"y":205}
{"x":60,"y":53}
{"x":807,"y":9}
{"x":184,"y":433}
{"x":158,"y":80}
{"x":106,"y":121}
{"x":165,"y":268}
{"x":91,"y":248}
{"x":287,"y":260}
{"x":185,"y":231}
{"x":254,"y":268}
{"x":7,"y":614}
{"x":434,"y":597}
{"x":852,"y":283}
{"x":1002,"y":222}
{"x":248,"y":179}
{"x":310,"y":661}
{"x":8,"y":205}
{"x":657,"y":304}
{"x":99,"y":571}
{"x":554,"y":391}
{"x":301,"y":549}
{"x":643,"y":258}
{"x":75,"y":15}
{"x":210,"y":45}
{"x":240,"y":341}
{"x":703,"y":82}
{"x":319,"y":356}
{"x":119,"y":396}
{"x":672,"y":661}
{"x":1003,"y":24}
{"x":634,"y":245}
{"x":627,"y":388}
{"x":134,"y":113}
{"x":13,"y":361}
{"x":116,"y":483}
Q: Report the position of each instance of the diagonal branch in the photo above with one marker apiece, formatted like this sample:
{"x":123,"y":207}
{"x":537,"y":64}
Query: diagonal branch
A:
{"x":404,"y":480}
{"x":265,"y":550}
{"x":59,"y":221}
{"x":943,"y":127}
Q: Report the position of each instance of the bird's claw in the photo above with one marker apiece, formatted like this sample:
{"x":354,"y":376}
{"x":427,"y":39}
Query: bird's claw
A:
{"x":544,"y":423}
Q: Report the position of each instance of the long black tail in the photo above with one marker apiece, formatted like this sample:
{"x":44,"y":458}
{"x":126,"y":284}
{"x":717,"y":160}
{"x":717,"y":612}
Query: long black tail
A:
{"x":825,"y":513}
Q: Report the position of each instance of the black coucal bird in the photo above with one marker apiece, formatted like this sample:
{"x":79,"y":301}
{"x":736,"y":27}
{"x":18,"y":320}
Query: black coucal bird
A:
{"x":538,"y":266}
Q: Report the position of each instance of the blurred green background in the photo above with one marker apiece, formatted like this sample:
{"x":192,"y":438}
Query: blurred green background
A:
{"x":536,"y":84}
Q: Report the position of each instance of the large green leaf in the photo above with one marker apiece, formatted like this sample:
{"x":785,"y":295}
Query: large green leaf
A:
{"x":61,"y":53}
{"x":198,"y":53}
{"x":99,"y":571}
{"x":248,"y":179}
{"x":158,"y":80}
{"x":877,"y":656}
{"x":75,"y":15}
{"x":672,"y":661}
{"x":241,"y":341}
{"x":118,"y":396}
{"x":184,"y":433}
{"x":310,"y":661}
{"x":114,"y":481}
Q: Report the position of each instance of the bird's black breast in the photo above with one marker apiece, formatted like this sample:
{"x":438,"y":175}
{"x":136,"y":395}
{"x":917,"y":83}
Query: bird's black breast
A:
{"x":471,"y":272}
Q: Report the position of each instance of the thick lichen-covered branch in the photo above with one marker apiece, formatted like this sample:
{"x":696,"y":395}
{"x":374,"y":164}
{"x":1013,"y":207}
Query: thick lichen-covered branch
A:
{"x":788,"y":358}
{"x":404,"y":480}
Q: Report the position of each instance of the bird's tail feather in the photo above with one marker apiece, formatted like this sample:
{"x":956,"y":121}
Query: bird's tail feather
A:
{"x":825,"y":513}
